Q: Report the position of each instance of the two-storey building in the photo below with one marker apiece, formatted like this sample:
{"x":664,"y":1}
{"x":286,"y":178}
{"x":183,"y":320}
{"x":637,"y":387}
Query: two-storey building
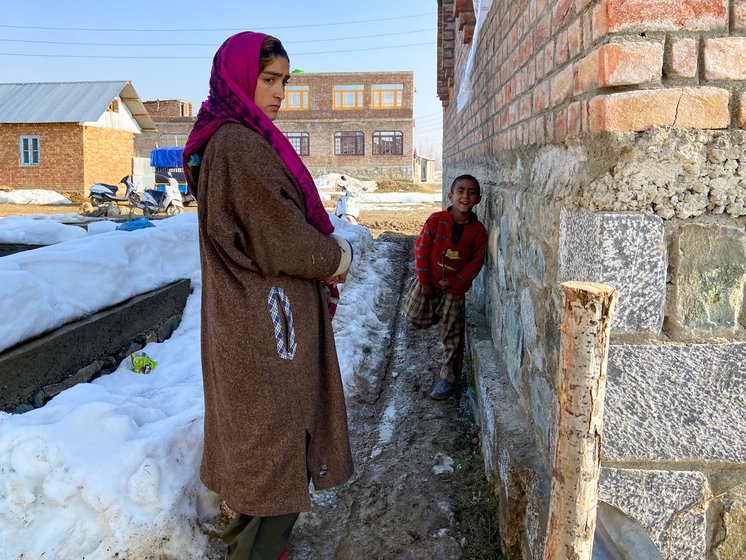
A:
{"x":357,"y":123}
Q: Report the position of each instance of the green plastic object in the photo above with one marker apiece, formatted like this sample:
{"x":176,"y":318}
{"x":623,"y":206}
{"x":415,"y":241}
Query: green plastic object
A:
{"x":141,"y":363}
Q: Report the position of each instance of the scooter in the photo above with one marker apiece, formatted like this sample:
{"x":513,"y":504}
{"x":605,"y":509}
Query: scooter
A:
{"x":168,"y":201}
{"x":103,"y":193}
{"x":348,"y":205}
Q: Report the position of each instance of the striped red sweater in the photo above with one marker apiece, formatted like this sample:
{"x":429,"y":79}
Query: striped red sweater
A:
{"x":437,"y":255}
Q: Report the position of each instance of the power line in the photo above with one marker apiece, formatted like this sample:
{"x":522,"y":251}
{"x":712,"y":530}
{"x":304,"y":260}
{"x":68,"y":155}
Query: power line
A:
{"x":182,"y":30}
{"x":430,"y":43}
{"x":213,"y":45}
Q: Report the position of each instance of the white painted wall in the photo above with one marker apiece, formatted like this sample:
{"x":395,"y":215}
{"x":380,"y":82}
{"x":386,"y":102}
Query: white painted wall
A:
{"x":123,"y":120}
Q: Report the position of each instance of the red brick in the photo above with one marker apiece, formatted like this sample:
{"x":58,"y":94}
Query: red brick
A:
{"x":563,"y":10}
{"x":739,"y":15}
{"x":683,"y":62}
{"x":575,"y":38}
{"x":599,"y":21}
{"x":742,"y":111}
{"x":560,"y":49}
{"x":562,"y":86}
{"x":586,"y":73}
{"x":666,"y":15}
{"x":696,"y":107}
{"x":574,"y":122}
{"x":542,"y":31}
{"x":630,"y":63}
{"x":560,"y":126}
{"x":725,"y":58}
{"x":541,"y":97}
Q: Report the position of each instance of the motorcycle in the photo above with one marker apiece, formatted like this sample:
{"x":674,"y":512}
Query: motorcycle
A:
{"x":150,"y":201}
{"x":348,"y":205}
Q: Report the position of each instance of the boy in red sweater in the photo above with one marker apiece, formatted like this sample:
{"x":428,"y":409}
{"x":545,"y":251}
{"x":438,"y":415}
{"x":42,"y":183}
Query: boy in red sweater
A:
{"x":449,"y":253}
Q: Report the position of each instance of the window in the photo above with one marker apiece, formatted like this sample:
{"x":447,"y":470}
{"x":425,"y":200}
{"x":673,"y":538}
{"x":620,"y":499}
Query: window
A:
{"x":386,"y":96}
{"x":349,"y":144}
{"x":296,"y":98}
{"x":348,"y":97}
{"x":29,"y":150}
{"x":173,"y":140}
{"x":388,"y":143}
{"x":299,"y":141}
{"x":113,"y":106}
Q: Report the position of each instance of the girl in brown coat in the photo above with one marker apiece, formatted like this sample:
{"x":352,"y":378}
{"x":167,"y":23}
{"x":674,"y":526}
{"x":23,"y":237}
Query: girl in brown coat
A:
{"x":274,"y":408}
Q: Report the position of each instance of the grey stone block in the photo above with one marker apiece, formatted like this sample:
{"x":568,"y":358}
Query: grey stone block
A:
{"x":709,"y":276}
{"x":625,"y":250}
{"x":512,"y":342}
{"x":664,"y":503}
{"x":678,"y":402}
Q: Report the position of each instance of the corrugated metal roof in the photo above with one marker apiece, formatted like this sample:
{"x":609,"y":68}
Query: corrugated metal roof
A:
{"x":54,"y":102}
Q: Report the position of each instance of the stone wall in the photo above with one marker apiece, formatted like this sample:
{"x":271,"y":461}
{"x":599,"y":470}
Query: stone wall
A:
{"x":606,"y":134}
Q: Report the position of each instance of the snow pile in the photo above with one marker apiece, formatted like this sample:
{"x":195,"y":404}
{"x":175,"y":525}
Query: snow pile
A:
{"x":33,"y":196}
{"x":110,"y":468}
{"x":30,"y":231}
{"x":328,"y":183}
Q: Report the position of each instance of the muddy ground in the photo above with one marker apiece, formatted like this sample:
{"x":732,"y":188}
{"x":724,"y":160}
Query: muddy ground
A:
{"x":418,"y":491}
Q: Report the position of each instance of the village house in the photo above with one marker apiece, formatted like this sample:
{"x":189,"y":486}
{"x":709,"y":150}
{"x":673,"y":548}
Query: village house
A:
{"x":65,"y":136}
{"x":173,"y":120}
{"x":356,"y":123}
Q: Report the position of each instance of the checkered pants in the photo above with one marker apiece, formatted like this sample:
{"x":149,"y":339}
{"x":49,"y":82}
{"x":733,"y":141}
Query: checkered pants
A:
{"x":449,"y":312}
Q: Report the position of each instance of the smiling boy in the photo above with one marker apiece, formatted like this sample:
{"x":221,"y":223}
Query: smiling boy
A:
{"x":449,"y":253}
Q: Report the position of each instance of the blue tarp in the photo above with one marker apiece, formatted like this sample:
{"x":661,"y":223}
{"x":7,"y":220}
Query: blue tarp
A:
{"x":166,"y":157}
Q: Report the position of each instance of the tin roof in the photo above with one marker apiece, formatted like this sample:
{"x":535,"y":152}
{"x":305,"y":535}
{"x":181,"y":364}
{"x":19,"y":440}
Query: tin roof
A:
{"x":55,"y":102}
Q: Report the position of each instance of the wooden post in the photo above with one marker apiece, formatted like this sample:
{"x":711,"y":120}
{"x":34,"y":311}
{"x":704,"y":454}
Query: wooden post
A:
{"x":577,"y":462}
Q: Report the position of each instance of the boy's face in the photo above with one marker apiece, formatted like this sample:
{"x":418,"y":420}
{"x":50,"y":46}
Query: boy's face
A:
{"x":464,"y":196}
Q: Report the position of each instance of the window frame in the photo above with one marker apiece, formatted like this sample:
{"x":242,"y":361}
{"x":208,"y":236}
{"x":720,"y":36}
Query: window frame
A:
{"x":26,"y":154}
{"x":338,"y":97}
{"x":378,"y":90}
{"x":305,"y":97}
{"x":393,"y":136}
{"x":359,"y":139}
{"x":304,"y":142}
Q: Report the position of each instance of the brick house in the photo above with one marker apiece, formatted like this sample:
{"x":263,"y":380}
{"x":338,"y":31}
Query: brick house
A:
{"x":65,"y":136}
{"x":173,"y":120}
{"x":359,"y":123}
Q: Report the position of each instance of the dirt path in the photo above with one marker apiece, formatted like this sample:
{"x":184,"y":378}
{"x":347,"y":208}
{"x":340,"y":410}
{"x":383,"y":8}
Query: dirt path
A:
{"x":398,"y":504}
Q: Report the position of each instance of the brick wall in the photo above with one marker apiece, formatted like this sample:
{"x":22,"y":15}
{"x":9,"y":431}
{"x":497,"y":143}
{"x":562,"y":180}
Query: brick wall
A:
{"x":321,"y":121}
{"x":608,"y":136}
{"x":108,"y":155}
{"x":168,"y":108}
{"x":60,"y":157}
{"x":559,"y":69}
{"x":148,"y":141}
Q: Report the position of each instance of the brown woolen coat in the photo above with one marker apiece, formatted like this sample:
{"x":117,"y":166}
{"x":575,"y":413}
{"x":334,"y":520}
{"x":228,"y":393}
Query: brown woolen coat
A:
{"x":261,"y":409}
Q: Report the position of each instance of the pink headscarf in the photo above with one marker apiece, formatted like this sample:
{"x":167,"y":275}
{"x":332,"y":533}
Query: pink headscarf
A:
{"x":235,"y":70}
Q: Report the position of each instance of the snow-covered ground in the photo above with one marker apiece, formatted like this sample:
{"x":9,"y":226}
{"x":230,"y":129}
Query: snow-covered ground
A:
{"x":111,"y":467}
{"x":32,"y":196}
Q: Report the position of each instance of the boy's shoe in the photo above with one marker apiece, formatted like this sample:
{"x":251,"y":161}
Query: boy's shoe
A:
{"x":442,"y":390}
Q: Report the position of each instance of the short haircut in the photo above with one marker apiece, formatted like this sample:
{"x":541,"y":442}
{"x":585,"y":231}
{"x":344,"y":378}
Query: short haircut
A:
{"x":467,"y":177}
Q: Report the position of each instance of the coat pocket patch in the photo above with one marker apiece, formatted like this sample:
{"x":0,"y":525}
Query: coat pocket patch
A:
{"x":282,"y":321}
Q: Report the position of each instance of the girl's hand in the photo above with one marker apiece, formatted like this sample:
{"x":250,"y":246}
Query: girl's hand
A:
{"x":428,"y":290}
{"x":332,"y":280}
{"x":444,"y":284}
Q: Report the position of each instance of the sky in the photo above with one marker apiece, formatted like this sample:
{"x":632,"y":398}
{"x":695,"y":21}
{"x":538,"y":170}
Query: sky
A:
{"x":111,"y":466}
{"x":165,"y":48}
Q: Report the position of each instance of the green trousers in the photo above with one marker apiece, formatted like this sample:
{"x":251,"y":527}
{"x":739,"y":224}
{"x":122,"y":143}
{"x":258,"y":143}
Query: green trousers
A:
{"x":258,"y":538}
